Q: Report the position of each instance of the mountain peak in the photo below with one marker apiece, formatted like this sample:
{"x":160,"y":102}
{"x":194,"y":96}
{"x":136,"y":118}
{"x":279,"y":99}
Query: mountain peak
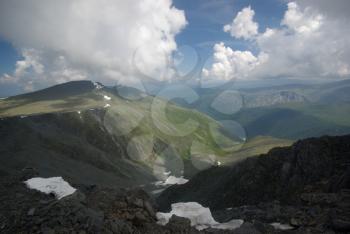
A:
{"x":62,"y":90}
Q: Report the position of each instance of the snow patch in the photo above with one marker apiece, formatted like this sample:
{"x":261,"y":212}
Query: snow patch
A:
{"x":108,"y":98}
{"x":97,"y":85}
{"x":107,"y":105}
{"x":280,"y":226}
{"x":172,"y":180}
{"x":167,"y":173}
{"x":200,"y":216}
{"x":55,"y":185}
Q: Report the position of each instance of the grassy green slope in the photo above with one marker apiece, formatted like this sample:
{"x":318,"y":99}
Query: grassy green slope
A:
{"x":256,"y":146}
{"x":130,"y":118}
{"x":61,"y":98}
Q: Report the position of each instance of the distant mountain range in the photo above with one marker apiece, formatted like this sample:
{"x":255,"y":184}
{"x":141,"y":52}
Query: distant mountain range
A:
{"x":272,"y":98}
{"x":290,"y":111}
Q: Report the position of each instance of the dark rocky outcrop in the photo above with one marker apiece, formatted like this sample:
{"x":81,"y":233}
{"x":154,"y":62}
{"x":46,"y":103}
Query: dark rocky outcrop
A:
{"x":91,"y":209}
{"x":305,"y":185}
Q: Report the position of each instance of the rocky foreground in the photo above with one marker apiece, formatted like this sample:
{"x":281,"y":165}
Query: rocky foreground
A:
{"x":90,"y":209}
{"x":306,"y":186}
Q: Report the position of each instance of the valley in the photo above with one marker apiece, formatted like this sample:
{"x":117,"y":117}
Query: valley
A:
{"x":93,"y":128}
{"x":174,"y":117}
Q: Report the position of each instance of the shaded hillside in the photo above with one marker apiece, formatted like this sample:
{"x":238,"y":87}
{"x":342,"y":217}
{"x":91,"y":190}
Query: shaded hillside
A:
{"x":312,"y":165}
{"x":341,"y":95}
{"x":72,"y":145}
{"x":294,"y":122}
{"x":306,"y":187}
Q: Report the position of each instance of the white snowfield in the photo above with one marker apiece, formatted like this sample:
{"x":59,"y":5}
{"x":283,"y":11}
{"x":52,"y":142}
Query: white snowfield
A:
{"x":172,"y":180}
{"x":280,"y":226}
{"x":107,"y":97}
{"x":107,"y":105}
{"x":55,"y":185}
{"x":200,"y":216}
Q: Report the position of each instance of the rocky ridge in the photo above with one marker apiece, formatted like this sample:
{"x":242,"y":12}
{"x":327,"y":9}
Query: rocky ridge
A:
{"x":306,"y":186}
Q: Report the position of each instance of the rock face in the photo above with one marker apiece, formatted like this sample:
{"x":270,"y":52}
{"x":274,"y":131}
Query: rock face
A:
{"x":274,"y":98}
{"x":305,"y":185}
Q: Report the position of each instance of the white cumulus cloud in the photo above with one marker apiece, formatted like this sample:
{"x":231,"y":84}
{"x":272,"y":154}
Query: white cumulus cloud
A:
{"x":230,"y":64}
{"x":311,"y":45}
{"x":301,"y":21}
{"x":243,"y":25}
{"x":96,"y":39}
{"x":308,"y":43}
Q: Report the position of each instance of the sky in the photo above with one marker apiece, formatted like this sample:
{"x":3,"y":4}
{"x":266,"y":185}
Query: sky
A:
{"x":43,"y":43}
